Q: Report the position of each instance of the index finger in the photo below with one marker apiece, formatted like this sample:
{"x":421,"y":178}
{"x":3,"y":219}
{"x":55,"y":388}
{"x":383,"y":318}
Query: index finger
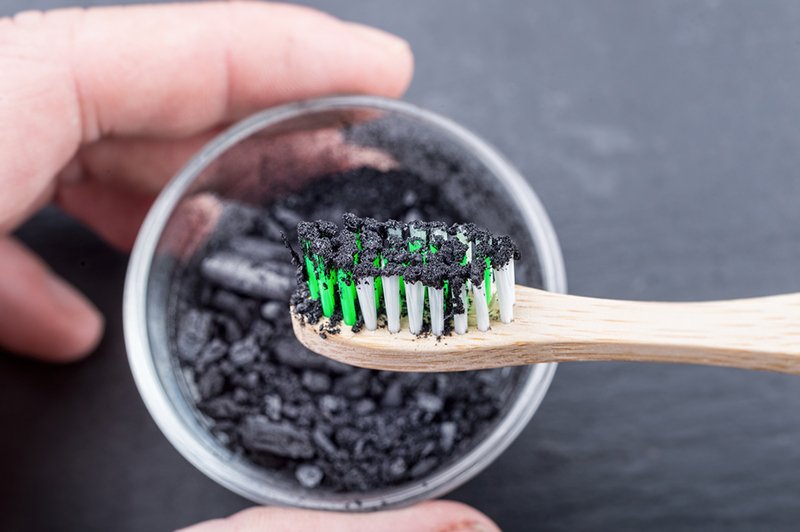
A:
{"x":73,"y":76}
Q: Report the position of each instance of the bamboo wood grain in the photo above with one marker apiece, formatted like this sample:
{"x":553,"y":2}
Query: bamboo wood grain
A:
{"x":759,"y":333}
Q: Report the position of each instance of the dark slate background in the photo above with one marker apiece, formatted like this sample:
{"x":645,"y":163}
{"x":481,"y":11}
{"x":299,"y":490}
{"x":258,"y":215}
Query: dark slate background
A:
{"x":663,"y":138}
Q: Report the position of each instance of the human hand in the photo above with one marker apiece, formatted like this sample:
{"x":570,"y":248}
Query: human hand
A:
{"x":99,"y":107}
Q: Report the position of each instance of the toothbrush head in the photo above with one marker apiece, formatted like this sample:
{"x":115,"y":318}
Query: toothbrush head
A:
{"x":364,"y":270}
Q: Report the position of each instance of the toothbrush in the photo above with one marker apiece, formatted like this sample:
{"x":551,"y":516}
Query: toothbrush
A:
{"x":468,"y":276}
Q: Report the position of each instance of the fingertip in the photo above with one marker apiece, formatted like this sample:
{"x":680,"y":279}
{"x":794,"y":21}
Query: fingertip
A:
{"x":42,"y":316}
{"x":86,"y":325}
{"x":398,"y":57}
{"x":458,"y":516}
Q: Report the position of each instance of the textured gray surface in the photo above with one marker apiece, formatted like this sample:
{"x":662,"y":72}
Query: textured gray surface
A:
{"x":664,"y":139}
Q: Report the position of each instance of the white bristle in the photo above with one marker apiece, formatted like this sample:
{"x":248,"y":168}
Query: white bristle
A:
{"x":504,"y":278}
{"x":365,"y":288}
{"x":391,"y":297}
{"x":416,"y":232}
{"x":415,"y":302}
{"x":436,"y":301}
{"x":481,"y":307}
{"x":460,"y":320}
{"x":415,"y":292}
{"x":513,"y":282}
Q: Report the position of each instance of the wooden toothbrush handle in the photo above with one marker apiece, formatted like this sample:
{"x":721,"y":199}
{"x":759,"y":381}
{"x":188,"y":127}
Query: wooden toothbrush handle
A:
{"x":758,"y":333}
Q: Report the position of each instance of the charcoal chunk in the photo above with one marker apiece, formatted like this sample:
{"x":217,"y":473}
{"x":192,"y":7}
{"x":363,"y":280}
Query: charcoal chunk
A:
{"x":240,"y":395}
{"x":331,"y":404}
{"x":259,"y":434}
{"x":193,"y":334}
{"x":309,"y":476}
{"x":315,"y":381}
{"x":211,"y":383}
{"x":393,"y":397}
{"x":354,"y":479}
{"x":262,"y":332}
{"x":364,"y":407}
{"x":291,"y":411}
{"x":429,"y":402}
{"x":422,"y":467}
{"x":354,"y":385}
{"x":292,"y":353}
{"x":221,"y":408}
{"x":272,"y":310}
{"x":258,"y":248}
{"x":251,"y":380}
{"x":213,"y":351}
{"x":347,"y":437}
{"x":231,"y":330}
{"x":239,"y":274}
{"x":447,"y":431}
{"x":243,"y":352}
{"x":238,"y":307}
{"x":323,"y":441}
{"x":395,"y":468}
{"x":272,"y":407}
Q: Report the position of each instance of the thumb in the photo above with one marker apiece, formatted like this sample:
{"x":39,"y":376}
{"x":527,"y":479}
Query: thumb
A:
{"x":435,"y":516}
{"x":40,"y":314}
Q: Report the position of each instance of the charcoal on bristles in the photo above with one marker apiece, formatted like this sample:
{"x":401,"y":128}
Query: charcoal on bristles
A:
{"x":309,"y":476}
{"x":364,"y":259}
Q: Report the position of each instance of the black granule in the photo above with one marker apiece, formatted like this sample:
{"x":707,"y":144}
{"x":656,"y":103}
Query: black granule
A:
{"x":316,"y":422}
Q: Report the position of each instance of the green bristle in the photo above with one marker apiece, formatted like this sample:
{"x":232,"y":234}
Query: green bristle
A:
{"x":487,"y":280}
{"x":327,"y":287}
{"x":312,"y":282}
{"x":347,"y":296}
{"x":378,"y":285}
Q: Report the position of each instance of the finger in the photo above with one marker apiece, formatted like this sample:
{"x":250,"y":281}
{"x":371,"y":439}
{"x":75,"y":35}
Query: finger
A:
{"x":135,"y":71}
{"x":40,"y":314}
{"x":144,"y":165}
{"x":141,"y":164}
{"x":111,"y":184}
{"x":437,"y":516}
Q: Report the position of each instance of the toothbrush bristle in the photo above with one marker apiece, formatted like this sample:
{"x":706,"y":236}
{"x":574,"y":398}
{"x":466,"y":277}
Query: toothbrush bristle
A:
{"x":391,"y":297}
{"x":460,"y":322}
{"x":415,"y":301}
{"x":436,"y":300}
{"x":366,"y":300}
{"x":461,"y":270}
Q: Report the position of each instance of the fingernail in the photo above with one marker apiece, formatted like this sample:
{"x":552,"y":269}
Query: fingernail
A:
{"x":376,"y":37}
